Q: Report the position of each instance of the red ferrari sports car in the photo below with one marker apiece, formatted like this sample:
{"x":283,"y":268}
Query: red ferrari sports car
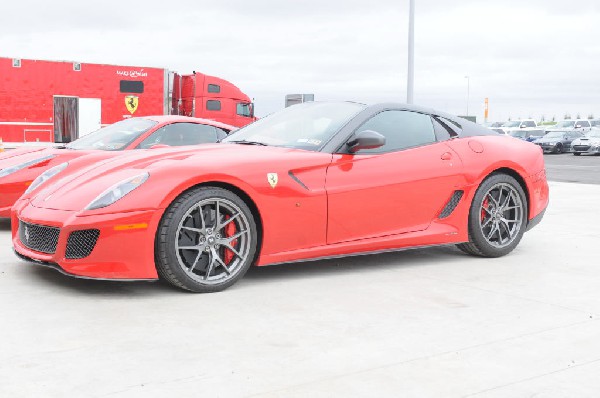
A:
{"x":19,"y":167}
{"x":314,"y":180}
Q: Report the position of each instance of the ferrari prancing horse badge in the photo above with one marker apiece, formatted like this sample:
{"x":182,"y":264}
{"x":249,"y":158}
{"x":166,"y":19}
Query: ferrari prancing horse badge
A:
{"x":272,"y":178}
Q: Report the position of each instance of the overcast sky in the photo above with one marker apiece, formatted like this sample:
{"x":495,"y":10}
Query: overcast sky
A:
{"x":530,"y":57}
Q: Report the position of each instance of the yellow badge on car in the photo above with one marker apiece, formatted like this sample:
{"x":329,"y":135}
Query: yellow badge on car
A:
{"x":272,"y":178}
{"x":131,"y":102}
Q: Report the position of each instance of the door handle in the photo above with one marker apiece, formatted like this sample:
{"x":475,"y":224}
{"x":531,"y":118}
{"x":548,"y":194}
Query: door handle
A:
{"x":446,"y":156}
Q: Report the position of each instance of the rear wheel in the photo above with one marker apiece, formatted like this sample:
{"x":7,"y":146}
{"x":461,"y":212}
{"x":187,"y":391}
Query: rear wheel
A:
{"x":206,"y":240}
{"x":576,"y":153}
{"x":497,"y":218}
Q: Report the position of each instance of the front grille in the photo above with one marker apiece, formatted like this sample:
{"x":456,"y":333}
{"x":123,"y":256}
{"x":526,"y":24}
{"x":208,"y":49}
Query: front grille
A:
{"x":38,"y":237}
{"x":81,"y":243}
{"x":581,"y":147}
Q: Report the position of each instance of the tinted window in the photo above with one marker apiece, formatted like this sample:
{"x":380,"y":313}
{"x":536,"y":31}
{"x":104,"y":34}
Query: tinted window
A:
{"x":451,"y":126}
{"x":402,"y":129}
{"x":178,"y":134}
{"x":213,"y":105}
{"x":529,"y":124}
{"x":584,"y":123}
{"x":243,"y":109}
{"x":131,"y":86}
{"x":214,"y":88}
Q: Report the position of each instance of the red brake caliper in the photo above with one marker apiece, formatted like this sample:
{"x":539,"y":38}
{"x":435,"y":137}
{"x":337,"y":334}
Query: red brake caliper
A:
{"x":230,"y":230}
{"x":485,"y":204}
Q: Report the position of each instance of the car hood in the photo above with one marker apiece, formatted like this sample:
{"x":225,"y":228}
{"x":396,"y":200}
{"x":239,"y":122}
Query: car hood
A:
{"x":78,"y":187}
{"x":587,"y":141}
{"x":20,"y":155}
{"x":26,"y":154}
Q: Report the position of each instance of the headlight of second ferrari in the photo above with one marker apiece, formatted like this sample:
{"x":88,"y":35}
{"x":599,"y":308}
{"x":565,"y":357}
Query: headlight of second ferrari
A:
{"x":20,"y":166}
{"x":46,"y":175}
{"x":117,"y":191}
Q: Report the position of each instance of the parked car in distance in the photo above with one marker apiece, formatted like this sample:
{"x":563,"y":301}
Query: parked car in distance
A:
{"x":595,"y":123}
{"x":498,"y":130}
{"x":20,"y":167}
{"x":557,"y":141}
{"x":527,"y":135}
{"x":528,"y":124}
{"x":589,"y":143}
{"x":580,"y":125}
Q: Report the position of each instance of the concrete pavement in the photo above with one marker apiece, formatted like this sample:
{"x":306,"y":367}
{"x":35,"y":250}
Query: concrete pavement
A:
{"x":419,"y":323}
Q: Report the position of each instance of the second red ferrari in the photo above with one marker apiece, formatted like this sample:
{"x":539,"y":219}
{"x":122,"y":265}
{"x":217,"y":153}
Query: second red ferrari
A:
{"x":19,"y":167}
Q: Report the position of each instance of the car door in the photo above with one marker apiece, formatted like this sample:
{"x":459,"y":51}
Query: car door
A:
{"x":398,"y":188}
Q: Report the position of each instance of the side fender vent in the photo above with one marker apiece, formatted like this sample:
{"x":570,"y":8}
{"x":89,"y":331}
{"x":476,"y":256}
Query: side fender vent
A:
{"x":452,"y":203}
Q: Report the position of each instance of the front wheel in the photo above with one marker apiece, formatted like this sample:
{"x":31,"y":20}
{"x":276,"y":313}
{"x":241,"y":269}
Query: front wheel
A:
{"x":497,"y":218}
{"x":559,"y":148}
{"x":206,"y":240}
{"x":576,"y":153}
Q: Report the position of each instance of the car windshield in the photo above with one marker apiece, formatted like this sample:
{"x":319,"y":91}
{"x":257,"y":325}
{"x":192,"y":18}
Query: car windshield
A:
{"x":564,"y":124}
{"x":114,"y":137}
{"x":554,"y":134}
{"x":593,"y":134}
{"x":304,"y":126}
{"x":512,"y":124}
{"x":518,"y":134}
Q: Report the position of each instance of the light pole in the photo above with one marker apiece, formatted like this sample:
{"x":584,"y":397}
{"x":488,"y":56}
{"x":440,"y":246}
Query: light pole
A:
{"x":468,"y":92}
{"x":411,"y":52}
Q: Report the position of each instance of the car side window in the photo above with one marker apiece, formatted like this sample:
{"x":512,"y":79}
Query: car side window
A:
{"x":584,"y":123}
{"x":401,"y":129}
{"x":178,"y":134}
{"x":529,"y":124}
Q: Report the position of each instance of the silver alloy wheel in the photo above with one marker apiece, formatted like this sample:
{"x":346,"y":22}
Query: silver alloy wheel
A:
{"x":213,"y":241}
{"x":501,"y":216}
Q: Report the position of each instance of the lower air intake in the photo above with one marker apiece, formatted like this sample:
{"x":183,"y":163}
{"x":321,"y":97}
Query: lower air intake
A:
{"x":81,"y":243}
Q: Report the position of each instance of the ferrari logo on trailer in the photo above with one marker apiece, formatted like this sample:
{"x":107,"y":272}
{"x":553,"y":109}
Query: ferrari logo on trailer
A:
{"x":131,"y":102}
{"x":272,"y":178}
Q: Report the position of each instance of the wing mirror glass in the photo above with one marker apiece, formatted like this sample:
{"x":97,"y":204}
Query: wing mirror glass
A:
{"x":367,"y":139}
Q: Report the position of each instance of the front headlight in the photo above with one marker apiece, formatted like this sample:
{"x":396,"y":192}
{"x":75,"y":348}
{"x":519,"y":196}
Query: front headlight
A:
{"x":117,"y":191}
{"x":46,"y":175}
{"x":21,"y":166}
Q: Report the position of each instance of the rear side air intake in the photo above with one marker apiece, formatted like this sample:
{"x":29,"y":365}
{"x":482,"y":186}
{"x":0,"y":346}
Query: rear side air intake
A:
{"x":452,"y":203}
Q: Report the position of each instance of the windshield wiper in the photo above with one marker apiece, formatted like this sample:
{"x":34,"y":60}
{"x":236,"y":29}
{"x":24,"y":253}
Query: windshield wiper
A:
{"x":246,"y":142}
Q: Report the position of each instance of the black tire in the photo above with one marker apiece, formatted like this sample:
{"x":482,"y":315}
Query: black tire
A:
{"x":189,"y":240}
{"x":576,"y":153}
{"x":559,"y":148}
{"x":478,"y":244}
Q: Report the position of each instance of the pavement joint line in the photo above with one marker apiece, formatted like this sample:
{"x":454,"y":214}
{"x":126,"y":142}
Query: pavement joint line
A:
{"x":425,"y":357}
{"x":589,"y":313}
{"x":532,"y":378}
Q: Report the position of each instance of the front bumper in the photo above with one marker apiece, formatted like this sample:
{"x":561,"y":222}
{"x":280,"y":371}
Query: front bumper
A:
{"x":124,"y":249}
{"x":586,"y":149}
{"x":548,"y":148}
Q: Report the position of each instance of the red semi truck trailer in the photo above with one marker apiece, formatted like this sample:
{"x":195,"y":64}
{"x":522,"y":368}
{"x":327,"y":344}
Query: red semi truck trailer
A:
{"x":55,"y":101}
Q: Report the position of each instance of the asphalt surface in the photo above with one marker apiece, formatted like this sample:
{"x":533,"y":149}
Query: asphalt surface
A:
{"x":419,"y":323}
{"x":569,"y":168}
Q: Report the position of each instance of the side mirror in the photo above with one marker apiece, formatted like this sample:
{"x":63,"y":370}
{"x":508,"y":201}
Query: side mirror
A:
{"x":367,"y":139}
